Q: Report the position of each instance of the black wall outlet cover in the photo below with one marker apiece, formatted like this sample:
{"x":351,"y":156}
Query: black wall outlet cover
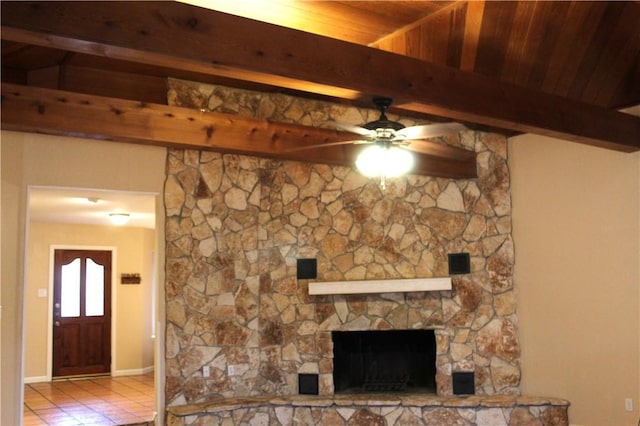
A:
{"x":463,"y":383}
{"x":308,"y":384}
{"x":459,"y":263}
{"x":307,"y":269}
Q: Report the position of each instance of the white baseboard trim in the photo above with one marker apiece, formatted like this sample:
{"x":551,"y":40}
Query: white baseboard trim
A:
{"x":36,"y":379}
{"x":132,"y":372}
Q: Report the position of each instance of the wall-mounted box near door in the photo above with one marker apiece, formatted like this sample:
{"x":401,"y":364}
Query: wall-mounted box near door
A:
{"x":130,"y":279}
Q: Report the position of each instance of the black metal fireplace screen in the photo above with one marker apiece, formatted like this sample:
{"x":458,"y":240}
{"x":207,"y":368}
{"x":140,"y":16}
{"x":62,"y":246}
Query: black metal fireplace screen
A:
{"x":384,"y":361}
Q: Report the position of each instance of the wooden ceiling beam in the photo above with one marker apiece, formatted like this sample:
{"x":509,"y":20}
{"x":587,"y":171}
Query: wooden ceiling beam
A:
{"x":115,"y":84}
{"x":181,"y":36}
{"x":38,"y":110}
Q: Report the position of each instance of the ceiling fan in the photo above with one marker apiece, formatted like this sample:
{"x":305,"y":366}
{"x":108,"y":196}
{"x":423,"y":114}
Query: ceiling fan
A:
{"x":389,"y":133}
{"x":391,"y":143}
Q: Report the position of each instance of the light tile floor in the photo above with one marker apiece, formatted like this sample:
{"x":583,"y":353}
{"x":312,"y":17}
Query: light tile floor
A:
{"x":98,"y":401}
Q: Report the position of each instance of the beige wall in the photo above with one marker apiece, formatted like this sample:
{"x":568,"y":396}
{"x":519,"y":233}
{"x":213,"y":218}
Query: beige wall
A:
{"x":576,"y":228}
{"x":30,"y":159}
{"x":131,"y":307}
{"x":0,"y":291}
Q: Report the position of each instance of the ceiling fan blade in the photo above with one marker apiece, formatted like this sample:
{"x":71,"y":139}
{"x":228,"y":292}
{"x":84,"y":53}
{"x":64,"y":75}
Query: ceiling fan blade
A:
{"x":429,"y":130}
{"x":351,"y":128}
{"x":324,"y":145}
{"x":438,"y":149}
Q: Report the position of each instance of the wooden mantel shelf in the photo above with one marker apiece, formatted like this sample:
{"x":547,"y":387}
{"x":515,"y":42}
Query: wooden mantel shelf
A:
{"x":379,"y":286}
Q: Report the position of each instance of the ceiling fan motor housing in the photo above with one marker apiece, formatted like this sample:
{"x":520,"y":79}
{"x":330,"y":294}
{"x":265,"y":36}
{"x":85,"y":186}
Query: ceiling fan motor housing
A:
{"x":383,"y":122}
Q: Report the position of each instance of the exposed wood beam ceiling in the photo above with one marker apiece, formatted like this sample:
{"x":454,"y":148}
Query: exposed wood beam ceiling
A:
{"x":435,"y":59}
{"x":57,"y":112}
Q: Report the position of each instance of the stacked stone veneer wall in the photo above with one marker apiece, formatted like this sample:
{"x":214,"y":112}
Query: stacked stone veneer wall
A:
{"x":235,"y":226}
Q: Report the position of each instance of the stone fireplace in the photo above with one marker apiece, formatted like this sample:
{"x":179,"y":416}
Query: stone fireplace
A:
{"x":384,"y":361}
{"x":235,"y":226}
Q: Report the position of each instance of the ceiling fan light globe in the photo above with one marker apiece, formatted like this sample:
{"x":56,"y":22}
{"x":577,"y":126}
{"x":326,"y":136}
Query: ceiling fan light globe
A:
{"x":369,"y":161}
{"x":376,"y":161}
{"x":398,"y":162}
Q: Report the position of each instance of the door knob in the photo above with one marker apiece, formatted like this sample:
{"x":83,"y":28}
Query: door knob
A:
{"x":57,"y":323}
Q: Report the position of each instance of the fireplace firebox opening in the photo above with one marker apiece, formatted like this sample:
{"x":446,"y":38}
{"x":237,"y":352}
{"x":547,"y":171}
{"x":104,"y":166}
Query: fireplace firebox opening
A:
{"x":384,"y":361}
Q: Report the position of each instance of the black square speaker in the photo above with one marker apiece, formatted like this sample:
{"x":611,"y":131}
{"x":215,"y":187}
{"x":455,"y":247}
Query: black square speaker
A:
{"x":463,"y":383}
{"x":459,"y":263}
{"x":307,"y":269}
{"x":308,"y":384}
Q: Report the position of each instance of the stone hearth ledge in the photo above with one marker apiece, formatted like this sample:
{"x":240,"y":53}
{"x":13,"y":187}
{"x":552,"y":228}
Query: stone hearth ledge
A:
{"x":362,"y":400}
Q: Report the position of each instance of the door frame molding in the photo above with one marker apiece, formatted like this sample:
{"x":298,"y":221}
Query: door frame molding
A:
{"x":114,"y":312}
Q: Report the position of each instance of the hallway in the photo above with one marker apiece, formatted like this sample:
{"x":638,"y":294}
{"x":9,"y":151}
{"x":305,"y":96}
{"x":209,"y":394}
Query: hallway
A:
{"x":98,"y":401}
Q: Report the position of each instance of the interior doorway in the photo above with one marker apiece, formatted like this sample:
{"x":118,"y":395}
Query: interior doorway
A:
{"x":105,"y":324}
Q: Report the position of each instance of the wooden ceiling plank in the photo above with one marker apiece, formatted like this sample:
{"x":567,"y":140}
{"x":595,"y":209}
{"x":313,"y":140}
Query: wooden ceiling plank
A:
{"x":618,"y":55}
{"x":599,"y":44}
{"x":628,"y":91}
{"x":45,"y":77}
{"x":439,"y":35}
{"x":101,"y":82}
{"x":429,"y":10}
{"x":137,"y":31}
{"x":33,"y":57}
{"x":331,"y":19}
{"x":14,"y":75}
{"x":473,"y":25}
{"x":424,"y":39}
{"x":517,"y":40}
{"x":497,"y":23}
{"x":577,"y":33}
{"x":429,"y":39}
{"x":371,"y":19}
{"x":9,"y":48}
{"x":145,"y":70}
{"x":413,"y":44}
{"x":58,"y":112}
{"x":569,"y":30}
{"x":399,"y":44}
{"x":569,"y":47}
{"x":549,"y":25}
{"x":457,"y":18}
{"x":540,"y":34}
